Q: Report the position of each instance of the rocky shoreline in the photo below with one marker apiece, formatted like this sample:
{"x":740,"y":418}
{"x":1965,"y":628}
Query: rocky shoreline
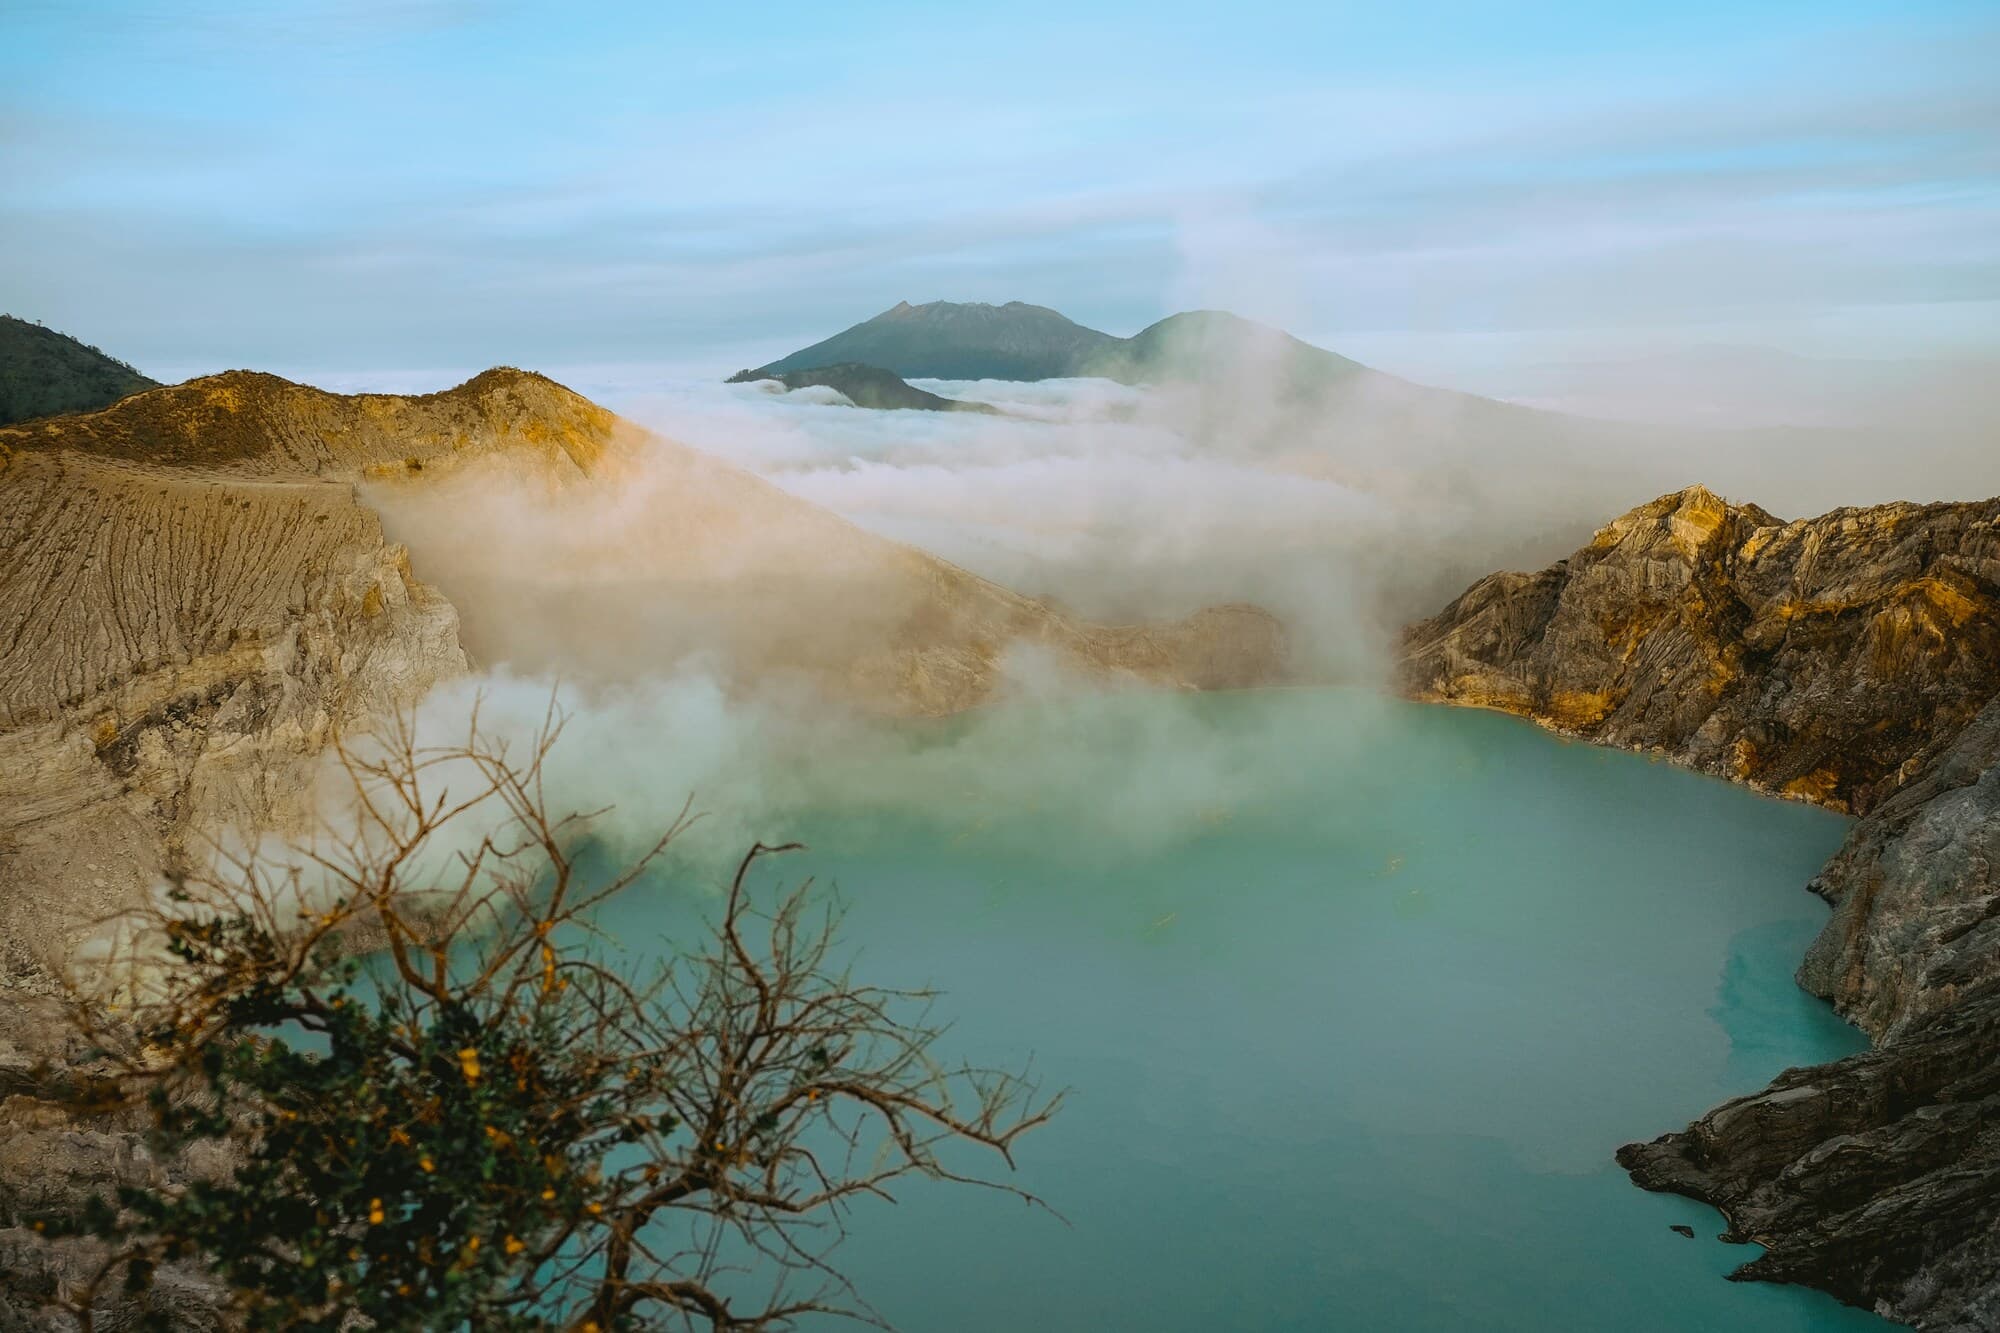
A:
{"x":1851,"y":660}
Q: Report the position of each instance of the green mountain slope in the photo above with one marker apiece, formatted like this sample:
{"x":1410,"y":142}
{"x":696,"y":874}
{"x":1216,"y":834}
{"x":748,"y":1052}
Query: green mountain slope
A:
{"x":44,"y":373}
{"x":951,"y":341}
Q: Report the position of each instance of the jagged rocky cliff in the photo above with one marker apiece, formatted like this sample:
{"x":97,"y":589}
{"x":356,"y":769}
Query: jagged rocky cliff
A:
{"x":1816,"y":659}
{"x":1852,"y":660}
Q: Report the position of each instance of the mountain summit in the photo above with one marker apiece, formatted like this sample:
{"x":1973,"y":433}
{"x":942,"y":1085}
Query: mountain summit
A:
{"x":1216,"y":345}
{"x":1017,"y":341}
{"x":951,"y":341}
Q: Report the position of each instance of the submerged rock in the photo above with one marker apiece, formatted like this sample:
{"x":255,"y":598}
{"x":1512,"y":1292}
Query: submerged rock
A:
{"x":1851,"y":660}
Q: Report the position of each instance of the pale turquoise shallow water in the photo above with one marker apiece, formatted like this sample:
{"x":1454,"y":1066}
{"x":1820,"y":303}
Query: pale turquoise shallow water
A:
{"x":1356,"y":1000}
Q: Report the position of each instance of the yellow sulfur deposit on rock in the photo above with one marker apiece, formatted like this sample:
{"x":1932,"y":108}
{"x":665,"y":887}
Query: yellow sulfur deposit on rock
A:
{"x":1812,"y":658}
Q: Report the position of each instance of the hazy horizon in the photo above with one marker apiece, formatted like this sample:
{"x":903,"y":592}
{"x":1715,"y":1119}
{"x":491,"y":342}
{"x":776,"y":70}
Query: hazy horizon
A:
{"x":1450,"y":193}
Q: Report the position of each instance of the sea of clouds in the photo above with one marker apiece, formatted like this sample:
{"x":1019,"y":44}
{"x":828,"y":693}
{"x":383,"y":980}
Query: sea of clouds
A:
{"x":1119,"y":503}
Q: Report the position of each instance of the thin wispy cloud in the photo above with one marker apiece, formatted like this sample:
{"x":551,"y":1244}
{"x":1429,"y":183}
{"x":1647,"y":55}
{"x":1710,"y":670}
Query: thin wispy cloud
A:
{"x":397,"y":184}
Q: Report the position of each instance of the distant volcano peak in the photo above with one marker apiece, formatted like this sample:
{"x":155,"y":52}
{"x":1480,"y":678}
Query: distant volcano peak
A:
{"x":1022,"y":341}
{"x":958,"y":340}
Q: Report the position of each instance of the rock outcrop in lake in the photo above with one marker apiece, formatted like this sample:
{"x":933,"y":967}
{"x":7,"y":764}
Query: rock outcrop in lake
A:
{"x":1876,"y":1178}
{"x":1852,"y":660}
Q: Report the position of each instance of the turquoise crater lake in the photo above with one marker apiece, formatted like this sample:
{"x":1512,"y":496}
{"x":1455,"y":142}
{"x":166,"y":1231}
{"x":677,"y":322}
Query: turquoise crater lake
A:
{"x":1355,"y":998}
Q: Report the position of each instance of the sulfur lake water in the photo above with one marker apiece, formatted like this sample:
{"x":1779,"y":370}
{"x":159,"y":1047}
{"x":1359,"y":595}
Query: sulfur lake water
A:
{"x":1355,"y":999}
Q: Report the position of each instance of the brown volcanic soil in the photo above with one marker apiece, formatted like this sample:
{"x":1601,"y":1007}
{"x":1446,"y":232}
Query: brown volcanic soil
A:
{"x":247,"y":422}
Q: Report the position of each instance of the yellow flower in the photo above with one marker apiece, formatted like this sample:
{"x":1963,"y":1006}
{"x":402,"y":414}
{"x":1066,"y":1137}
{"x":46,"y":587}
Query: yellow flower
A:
{"x":424,"y":1164}
{"x":514,"y":1246}
{"x":468,"y":1063}
{"x":375,"y":1213}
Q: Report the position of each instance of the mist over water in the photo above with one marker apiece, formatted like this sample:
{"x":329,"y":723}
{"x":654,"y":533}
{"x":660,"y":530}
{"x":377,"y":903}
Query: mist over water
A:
{"x":1351,"y":510}
{"x":1355,"y":1010}
{"x":1357,"y":998}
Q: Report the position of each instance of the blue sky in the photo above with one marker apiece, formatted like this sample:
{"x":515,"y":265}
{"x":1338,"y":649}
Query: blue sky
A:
{"x":374,"y":184}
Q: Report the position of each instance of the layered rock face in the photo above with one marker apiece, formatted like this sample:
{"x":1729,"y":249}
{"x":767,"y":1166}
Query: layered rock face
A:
{"x":1876,"y":1178}
{"x":196,"y":601}
{"x":1916,"y":892}
{"x":187,"y":619}
{"x":51,"y":1163}
{"x":1852,"y":660}
{"x":1816,"y":659}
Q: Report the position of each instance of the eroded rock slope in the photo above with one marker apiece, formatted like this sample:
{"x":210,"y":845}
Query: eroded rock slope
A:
{"x":195,"y":600}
